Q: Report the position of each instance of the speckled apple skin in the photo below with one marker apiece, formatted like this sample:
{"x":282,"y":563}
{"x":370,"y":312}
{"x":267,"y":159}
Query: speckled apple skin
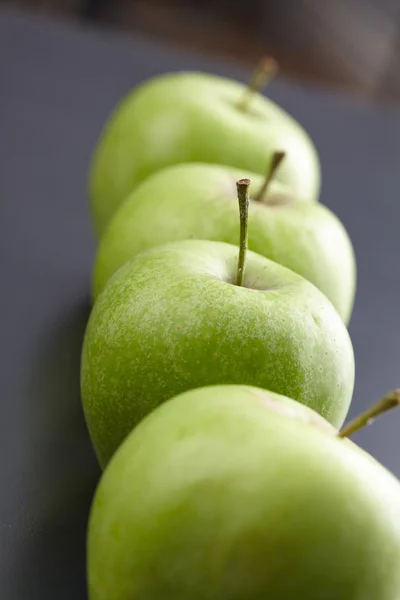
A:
{"x":219,"y":495}
{"x":185,"y":117}
{"x":199,"y":201}
{"x":171,"y":320}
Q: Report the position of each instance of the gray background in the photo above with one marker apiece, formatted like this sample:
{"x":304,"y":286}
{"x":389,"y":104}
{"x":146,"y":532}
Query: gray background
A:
{"x":58,"y":83}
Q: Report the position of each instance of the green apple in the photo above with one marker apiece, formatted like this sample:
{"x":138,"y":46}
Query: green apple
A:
{"x":199,"y":201}
{"x":192,"y":313}
{"x":185,"y":117}
{"x":235,"y":493}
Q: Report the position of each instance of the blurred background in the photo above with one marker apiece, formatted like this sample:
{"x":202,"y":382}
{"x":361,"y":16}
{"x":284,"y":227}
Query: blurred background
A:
{"x":350,"y":44}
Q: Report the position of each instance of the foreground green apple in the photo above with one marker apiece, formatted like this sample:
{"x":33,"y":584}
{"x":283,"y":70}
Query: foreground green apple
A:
{"x":235,"y":493}
{"x":190,"y":313}
{"x":184,"y":117}
{"x":199,"y":201}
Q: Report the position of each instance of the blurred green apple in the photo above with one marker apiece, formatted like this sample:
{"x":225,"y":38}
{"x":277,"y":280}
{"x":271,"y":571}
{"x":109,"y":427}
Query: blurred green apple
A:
{"x":174,"y":318}
{"x":199,"y":201}
{"x":189,"y":116}
{"x":235,"y":493}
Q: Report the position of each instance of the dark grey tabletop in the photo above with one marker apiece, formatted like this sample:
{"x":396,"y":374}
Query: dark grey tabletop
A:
{"x":58,"y":83}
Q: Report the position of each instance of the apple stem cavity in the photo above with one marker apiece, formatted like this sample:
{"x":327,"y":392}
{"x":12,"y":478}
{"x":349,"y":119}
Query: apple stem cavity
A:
{"x":276,"y":160}
{"x":391,"y":400}
{"x":244,"y":198}
{"x":263,"y":73}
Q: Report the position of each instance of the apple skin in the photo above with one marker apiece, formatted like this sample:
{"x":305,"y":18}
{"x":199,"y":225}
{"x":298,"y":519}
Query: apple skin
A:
{"x":189,"y":116}
{"x":199,"y":201}
{"x":235,"y":493}
{"x":172,"y":319}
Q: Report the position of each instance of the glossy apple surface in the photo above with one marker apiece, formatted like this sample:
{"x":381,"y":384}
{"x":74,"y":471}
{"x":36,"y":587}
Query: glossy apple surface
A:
{"x":172,"y":319}
{"x":199,"y":201}
{"x":184,"y":117}
{"x":235,"y":493}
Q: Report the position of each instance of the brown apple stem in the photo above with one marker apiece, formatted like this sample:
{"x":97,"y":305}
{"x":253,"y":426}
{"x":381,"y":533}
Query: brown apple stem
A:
{"x":263,"y":73}
{"x":244,"y":199}
{"x":273,"y":166}
{"x":391,"y":400}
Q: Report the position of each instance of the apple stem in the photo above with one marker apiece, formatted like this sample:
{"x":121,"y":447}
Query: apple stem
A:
{"x":391,"y":400}
{"x":244,"y":198}
{"x":263,"y":73}
{"x":273,"y":166}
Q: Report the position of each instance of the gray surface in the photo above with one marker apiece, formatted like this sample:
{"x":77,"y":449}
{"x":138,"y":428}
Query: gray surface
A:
{"x":58,"y":83}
